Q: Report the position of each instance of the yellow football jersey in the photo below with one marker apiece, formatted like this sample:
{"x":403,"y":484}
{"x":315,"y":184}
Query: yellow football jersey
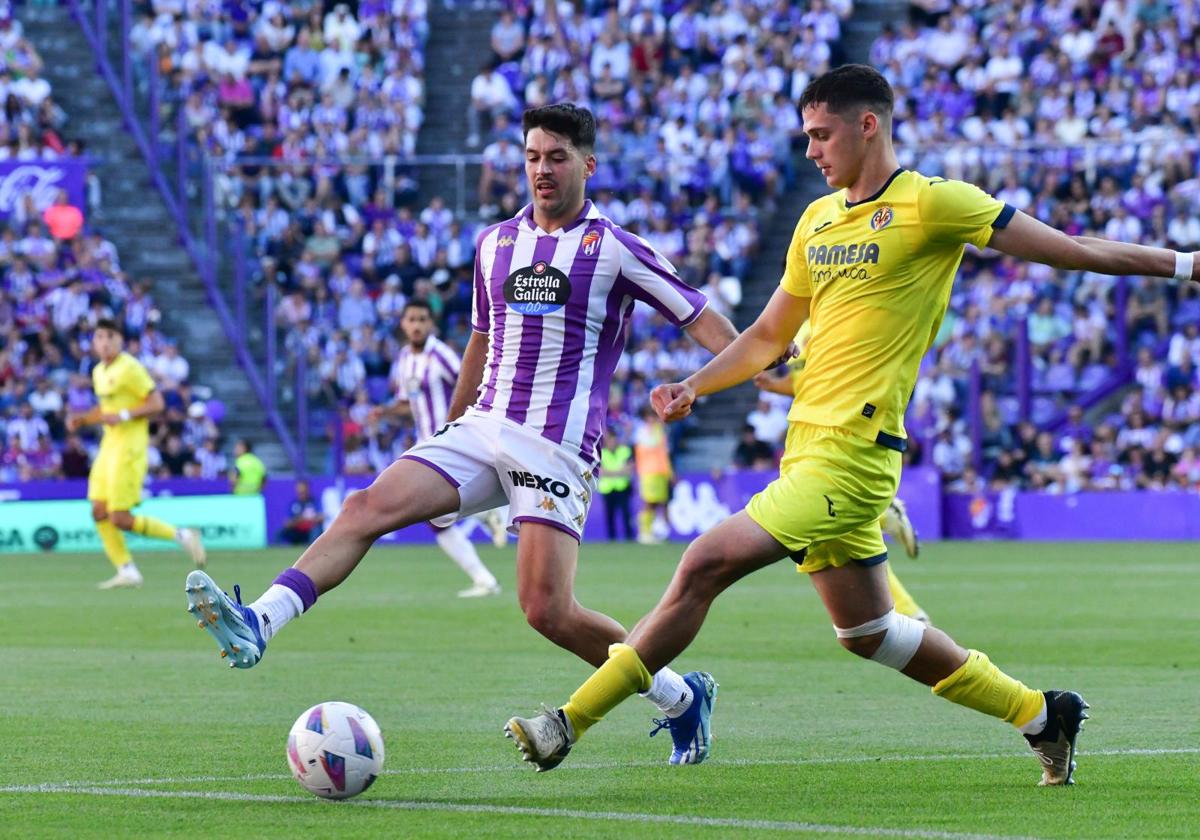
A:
{"x":123,"y":384}
{"x":879,"y":273}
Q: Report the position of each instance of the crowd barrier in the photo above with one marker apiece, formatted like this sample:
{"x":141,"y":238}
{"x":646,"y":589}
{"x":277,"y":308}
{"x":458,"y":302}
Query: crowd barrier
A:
{"x":53,"y":515}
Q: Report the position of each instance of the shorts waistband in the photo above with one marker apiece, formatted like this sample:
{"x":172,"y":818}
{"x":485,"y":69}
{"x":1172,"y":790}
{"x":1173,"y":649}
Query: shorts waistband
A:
{"x":887,"y":441}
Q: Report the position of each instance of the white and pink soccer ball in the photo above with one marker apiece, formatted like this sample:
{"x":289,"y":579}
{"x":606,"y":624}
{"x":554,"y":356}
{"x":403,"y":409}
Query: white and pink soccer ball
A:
{"x":335,"y":750}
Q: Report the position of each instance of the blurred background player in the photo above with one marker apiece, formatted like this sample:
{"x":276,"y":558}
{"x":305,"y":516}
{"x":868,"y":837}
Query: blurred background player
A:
{"x":615,"y":486}
{"x":127,"y":399}
{"x":304,"y":522}
{"x":249,"y":472}
{"x":895,"y":521}
{"x":652,"y":455}
{"x":424,"y":375}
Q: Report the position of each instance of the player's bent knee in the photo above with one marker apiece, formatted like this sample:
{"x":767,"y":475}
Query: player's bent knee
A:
{"x":702,"y":570}
{"x":123,"y":519}
{"x":548,"y":618}
{"x":891,"y":640}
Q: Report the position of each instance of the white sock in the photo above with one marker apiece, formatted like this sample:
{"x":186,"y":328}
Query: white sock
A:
{"x":1036,"y":725}
{"x":455,"y":543}
{"x":275,"y":608}
{"x":669,"y":693}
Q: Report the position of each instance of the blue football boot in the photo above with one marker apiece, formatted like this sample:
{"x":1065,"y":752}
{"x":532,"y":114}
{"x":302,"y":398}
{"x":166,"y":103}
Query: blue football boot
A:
{"x":691,"y":732}
{"x":233,"y":625}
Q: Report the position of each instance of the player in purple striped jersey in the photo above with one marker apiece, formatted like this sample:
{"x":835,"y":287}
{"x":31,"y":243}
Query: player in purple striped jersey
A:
{"x":554,"y":289}
{"x":424,"y":375}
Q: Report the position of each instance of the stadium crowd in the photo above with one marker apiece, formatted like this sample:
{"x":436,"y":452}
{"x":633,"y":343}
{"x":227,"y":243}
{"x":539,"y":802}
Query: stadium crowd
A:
{"x":695,"y":140}
{"x":1084,"y":115}
{"x":1081,"y":113}
{"x":57,"y":279}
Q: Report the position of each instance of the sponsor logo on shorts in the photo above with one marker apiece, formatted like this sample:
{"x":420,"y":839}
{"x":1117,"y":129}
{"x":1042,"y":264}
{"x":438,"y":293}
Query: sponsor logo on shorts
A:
{"x":539,"y":482}
{"x":538,"y":289}
{"x":547,"y":504}
{"x":868,"y":411}
{"x":829,"y":502}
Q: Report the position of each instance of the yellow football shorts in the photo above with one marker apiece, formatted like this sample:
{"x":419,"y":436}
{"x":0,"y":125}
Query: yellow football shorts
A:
{"x":655,"y":489}
{"x":116,"y":476}
{"x":832,"y":490}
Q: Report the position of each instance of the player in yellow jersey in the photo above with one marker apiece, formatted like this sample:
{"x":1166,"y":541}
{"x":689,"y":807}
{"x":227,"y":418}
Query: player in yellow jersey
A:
{"x":894,"y":522}
{"x":872,"y":263}
{"x":127,"y":400}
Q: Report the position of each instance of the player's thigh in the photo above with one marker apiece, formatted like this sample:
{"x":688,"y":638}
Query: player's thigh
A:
{"x":853,"y":593}
{"x":98,"y":476}
{"x":547,"y":557}
{"x":734,"y":548}
{"x":406,"y":492}
{"x":463,"y":454}
{"x":125,"y":480}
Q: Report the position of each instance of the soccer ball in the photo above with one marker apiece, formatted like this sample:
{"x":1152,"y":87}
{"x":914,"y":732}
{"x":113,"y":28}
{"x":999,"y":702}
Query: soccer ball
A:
{"x":335,"y":750}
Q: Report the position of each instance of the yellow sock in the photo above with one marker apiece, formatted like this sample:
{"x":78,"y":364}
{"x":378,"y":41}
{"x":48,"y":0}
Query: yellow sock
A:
{"x":148,"y":526}
{"x":623,"y":675}
{"x":114,"y":543}
{"x":905,"y":604}
{"x":981,"y":686}
{"x":645,"y":521}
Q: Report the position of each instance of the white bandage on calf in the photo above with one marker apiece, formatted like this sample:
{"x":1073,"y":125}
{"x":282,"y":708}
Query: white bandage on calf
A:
{"x":902,"y":638}
{"x":1184,"y":261}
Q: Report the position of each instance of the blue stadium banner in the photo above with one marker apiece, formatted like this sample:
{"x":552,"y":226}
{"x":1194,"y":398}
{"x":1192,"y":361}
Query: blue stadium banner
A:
{"x":223,"y":522}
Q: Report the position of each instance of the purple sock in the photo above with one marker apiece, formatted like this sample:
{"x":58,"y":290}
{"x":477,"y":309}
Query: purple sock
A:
{"x":301,"y":584}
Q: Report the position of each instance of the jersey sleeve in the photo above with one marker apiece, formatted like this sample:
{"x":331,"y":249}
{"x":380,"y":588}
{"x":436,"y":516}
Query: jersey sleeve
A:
{"x":656,"y":282}
{"x":955,"y":211}
{"x":795,"y":279}
{"x":137,"y":380}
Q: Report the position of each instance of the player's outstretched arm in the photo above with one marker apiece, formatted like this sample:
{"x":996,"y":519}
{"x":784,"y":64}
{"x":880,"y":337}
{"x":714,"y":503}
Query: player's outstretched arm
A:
{"x":762,"y":343}
{"x":712,"y":331}
{"x":1029,"y":239}
{"x":469,"y":377}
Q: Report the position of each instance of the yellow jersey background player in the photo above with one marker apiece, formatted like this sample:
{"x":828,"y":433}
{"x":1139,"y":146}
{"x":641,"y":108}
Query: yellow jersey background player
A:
{"x":127,"y":399}
{"x":894,"y":522}
{"x":873,"y":263}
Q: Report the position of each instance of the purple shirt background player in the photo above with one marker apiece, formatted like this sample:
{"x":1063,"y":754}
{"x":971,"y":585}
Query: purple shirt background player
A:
{"x":425,"y":376}
{"x":555,"y":306}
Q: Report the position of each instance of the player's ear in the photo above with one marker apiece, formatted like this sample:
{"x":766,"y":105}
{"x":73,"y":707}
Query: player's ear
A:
{"x":869,"y":125}
{"x":589,"y":165}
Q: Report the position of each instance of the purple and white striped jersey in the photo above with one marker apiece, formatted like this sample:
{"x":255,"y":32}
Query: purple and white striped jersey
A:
{"x":426,"y":379}
{"x":556,"y":307}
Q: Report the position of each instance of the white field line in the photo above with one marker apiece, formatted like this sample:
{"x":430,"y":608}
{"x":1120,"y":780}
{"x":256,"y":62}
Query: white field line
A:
{"x":520,"y":767}
{"x":512,"y":810}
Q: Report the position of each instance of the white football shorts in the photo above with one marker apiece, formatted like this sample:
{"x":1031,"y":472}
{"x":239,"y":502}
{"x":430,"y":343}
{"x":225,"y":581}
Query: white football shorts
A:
{"x":493,"y":462}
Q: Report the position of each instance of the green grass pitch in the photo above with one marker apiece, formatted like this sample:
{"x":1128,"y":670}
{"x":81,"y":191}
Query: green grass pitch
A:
{"x":118,"y":719}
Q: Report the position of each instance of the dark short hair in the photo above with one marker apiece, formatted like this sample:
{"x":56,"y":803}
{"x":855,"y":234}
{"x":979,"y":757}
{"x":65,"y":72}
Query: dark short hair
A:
{"x":246,"y":443}
{"x":417,"y":303}
{"x":110,"y":325}
{"x":575,"y":123}
{"x":850,"y":87}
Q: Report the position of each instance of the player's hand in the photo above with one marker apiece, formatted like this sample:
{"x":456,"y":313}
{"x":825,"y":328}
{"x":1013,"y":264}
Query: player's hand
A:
{"x":74,"y":421}
{"x":672,"y":401}
{"x":110,"y":419}
{"x":764,"y":381}
{"x":789,"y":353}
